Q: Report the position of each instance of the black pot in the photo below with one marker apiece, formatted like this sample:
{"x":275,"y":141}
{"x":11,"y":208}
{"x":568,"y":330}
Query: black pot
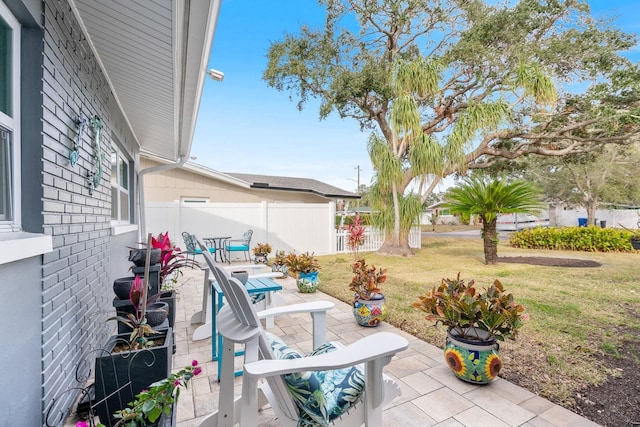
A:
{"x":157,"y":313}
{"x":139,"y":256}
{"x":635,"y":243}
{"x":122,"y":287}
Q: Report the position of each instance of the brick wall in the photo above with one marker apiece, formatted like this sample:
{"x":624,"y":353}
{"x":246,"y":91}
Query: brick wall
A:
{"x":76,"y":289}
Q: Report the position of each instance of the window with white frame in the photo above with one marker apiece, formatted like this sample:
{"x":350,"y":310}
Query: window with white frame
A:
{"x":9,"y":121}
{"x":120,"y":188}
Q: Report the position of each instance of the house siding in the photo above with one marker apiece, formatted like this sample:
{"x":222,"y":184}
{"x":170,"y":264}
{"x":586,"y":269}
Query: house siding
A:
{"x":76,"y":277}
{"x":173,"y":184}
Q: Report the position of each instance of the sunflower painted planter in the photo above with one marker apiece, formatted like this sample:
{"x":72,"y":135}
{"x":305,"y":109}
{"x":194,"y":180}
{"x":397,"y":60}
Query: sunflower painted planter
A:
{"x":307,"y":282}
{"x":474,"y":361}
{"x":370,"y":312}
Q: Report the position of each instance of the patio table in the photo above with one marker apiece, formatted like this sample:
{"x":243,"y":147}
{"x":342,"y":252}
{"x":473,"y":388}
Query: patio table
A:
{"x":216,"y":242}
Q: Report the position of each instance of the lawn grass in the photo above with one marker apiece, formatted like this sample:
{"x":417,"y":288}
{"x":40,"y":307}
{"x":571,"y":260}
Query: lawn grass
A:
{"x":575,"y":313}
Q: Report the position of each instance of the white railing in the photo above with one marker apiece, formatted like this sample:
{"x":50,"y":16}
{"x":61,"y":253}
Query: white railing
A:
{"x":374,"y":239}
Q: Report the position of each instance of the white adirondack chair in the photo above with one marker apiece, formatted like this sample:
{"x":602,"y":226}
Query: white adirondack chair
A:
{"x":239,"y":323}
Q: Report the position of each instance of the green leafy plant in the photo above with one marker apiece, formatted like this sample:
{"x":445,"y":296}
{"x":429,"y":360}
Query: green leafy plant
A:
{"x":280,"y":258}
{"x":303,"y":263}
{"x":158,"y":399}
{"x":588,"y":239}
{"x":366,"y":280}
{"x":355,"y":236}
{"x":461,"y":307}
{"x":262,"y":248}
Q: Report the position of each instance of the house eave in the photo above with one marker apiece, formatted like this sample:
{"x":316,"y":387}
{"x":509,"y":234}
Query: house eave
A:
{"x":154,"y":56}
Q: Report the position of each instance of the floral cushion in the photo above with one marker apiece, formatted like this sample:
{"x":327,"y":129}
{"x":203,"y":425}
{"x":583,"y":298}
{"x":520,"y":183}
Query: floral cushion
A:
{"x":321,"y":396}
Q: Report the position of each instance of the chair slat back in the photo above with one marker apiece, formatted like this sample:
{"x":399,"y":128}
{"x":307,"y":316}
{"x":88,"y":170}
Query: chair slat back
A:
{"x":247,"y":237}
{"x":243,"y":310}
{"x":189,"y":241}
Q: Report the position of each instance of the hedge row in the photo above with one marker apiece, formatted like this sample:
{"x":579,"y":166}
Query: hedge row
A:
{"x":589,"y":239}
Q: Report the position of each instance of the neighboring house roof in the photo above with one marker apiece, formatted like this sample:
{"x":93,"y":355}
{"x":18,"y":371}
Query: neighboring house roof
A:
{"x":154,"y":55}
{"x":284,"y":183}
{"x":267,"y":182}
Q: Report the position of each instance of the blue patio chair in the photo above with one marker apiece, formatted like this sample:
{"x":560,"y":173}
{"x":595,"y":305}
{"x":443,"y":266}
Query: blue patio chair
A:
{"x":238,"y":245}
{"x":191,"y":245}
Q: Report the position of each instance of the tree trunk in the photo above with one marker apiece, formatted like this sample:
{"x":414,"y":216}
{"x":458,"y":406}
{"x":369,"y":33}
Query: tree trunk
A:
{"x":401,"y":249}
{"x":490,"y":236}
{"x":396,"y":216}
{"x":591,"y":206}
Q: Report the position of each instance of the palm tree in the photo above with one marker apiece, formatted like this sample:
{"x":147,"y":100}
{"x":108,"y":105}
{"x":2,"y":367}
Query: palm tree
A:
{"x":476,"y":196}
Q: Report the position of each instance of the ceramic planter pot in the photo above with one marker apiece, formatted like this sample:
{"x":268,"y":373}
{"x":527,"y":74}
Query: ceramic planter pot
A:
{"x":139,"y":256}
{"x":260,"y":258}
{"x":369,"y":312}
{"x":122,"y":287}
{"x":242,"y":276}
{"x":473,"y":360}
{"x":635,"y":243}
{"x":307,"y":282}
{"x":280,"y":268}
{"x":157,"y":313}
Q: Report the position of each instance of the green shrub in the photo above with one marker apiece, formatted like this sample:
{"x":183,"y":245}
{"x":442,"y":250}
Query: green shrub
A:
{"x":588,"y":239}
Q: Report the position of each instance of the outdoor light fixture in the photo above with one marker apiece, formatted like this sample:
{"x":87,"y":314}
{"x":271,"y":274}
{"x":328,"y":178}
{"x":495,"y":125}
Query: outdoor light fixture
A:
{"x":216,"y":75}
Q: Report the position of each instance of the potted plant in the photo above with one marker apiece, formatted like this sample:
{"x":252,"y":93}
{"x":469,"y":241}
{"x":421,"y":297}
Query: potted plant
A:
{"x":130,"y":362}
{"x":260,"y":252}
{"x":369,"y":307}
{"x":157,"y":400}
{"x":305,"y":267}
{"x":279,"y":263}
{"x":476,"y":320}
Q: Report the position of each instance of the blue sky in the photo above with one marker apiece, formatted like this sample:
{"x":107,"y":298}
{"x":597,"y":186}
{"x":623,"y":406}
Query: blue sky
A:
{"x":246,"y":127}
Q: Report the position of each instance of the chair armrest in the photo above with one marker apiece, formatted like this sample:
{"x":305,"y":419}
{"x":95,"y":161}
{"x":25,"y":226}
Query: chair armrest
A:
{"x":367,"y":349}
{"x":317,"y":310}
{"x":305,"y":307}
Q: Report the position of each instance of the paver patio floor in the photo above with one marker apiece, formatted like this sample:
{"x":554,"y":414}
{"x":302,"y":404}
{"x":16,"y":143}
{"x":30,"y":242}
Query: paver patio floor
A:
{"x":431,"y":395}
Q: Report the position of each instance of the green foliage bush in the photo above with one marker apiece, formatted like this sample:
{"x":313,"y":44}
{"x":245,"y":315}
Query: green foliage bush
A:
{"x":588,"y":239}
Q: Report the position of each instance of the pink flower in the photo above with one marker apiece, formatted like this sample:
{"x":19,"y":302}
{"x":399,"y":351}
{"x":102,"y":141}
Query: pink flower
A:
{"x":82,"y":424}
{"x":197,"y":371}
{"x":176,"y":383}
{"x":194,"y":363}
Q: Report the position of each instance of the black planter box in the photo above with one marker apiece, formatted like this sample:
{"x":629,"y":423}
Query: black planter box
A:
{"x":170,"y":298}
{"x":120,"y":376}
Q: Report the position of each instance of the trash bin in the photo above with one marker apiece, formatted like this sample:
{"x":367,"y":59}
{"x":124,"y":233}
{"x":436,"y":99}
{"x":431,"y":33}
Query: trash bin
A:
{"x":582,"y":222}
{"x":603,"y":224}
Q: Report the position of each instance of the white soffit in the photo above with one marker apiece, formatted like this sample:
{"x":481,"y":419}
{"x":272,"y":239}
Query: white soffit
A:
{"x":155,"y":55}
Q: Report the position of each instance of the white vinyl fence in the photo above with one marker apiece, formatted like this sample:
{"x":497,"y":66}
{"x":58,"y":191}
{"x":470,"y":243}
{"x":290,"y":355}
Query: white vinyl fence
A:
{"x":374,"y":239}
{"x":286,"y":226}
{"x":296,"y":227}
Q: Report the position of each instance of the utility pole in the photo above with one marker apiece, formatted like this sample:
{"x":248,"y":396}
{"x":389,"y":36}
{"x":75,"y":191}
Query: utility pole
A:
{"x":358,"y":188}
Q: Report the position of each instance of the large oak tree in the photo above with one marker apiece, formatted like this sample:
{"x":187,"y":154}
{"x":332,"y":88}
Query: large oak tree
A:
{"x":451,"y":85}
